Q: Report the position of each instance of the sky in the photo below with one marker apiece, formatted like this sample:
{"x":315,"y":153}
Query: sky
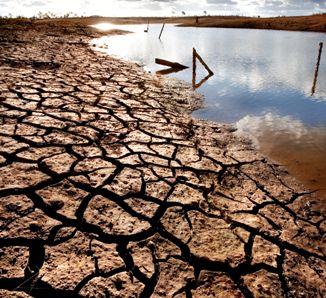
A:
{"x":162,"y":7}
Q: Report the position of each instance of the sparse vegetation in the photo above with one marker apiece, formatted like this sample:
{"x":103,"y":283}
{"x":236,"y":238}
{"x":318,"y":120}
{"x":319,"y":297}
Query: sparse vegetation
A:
{"x":316,"y":22}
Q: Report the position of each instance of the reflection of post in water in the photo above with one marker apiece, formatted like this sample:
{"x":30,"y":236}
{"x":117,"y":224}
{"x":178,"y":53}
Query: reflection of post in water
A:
{"x":313,"y":89}
{"x":196,"y":56}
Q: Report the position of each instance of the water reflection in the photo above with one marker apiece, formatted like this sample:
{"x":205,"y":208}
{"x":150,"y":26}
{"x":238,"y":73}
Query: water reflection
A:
{"x":302,"y":149}
{"x":261,"y":77}
{"x":313,"y":89}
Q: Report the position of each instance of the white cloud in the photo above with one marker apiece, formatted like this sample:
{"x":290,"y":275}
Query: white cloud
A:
{"x":163,"y":7}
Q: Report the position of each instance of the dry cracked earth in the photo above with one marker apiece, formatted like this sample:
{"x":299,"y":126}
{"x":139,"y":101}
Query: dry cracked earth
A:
{"x":108,"y":188}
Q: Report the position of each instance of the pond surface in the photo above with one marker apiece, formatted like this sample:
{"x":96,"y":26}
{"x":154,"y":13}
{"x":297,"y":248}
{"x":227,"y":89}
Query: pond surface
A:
{"x":262,"y":83}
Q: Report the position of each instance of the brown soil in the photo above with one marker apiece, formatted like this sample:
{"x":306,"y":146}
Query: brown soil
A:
{"x":110,"y":189}
{"x":315,"y":23}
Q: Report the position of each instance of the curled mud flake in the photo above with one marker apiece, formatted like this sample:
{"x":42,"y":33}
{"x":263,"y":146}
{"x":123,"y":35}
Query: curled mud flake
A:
{"x":64,"y":116}
{"x":2,"y":160}
{"x":265,"y":252}
{"x":293,"y":230}
{"x":60,"y":163}
{"x":175,"y":222}
{"x":63,"y":197}
{"x":223,"y":286}
{"x":142,"y":206}
{"x":20,"y":175}
{"x":138,"y":147}
{"x":13,"y":261}
{"x":85,"y":132}
{"x":127,"y":181}
{"x":46,"y":121}
{"x":64,"y":138}
{"x":67,"y":263}
{"x":28,"y":130}
{"x":158,"y":190}
{"x":242,"y":234}
{"x":118,"y":285}
{"x":165,"y":150}
{"x":264,"y":284}
{"x":309,"y":207}
{"x":174,"y":275}
{"x":252,"y":221}
{"x":32,"y":97}
{"x":14,"y":294}
{"x":154,"y":160}
{"x":116,"y":150}
{"x":106,"y":254}
{"x":13,"y":207}
{"x":213,"y":239}
{"x":9,"y":145}
{"x":7,"y":129}
{"x":88,"y":151}
{"x":137,"y":136}
{"x":101,"y":177}
{"x":108,"y":125}
{"x":36,"y":154}
{"x":225,"y":202}
{"x":35,"y":225}
{"x":21,"y":104}
{"x":143,"y":258}
{"x":266,"y":178}
{"x":133,"y":90}
{"x":186,"y":195}
{"x":92,"y":164}
{"x":112,"y":219}
{"x":243,"y":155}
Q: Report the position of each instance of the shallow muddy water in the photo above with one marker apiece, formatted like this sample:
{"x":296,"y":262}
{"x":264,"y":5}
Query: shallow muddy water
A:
{"x":262,"y":83}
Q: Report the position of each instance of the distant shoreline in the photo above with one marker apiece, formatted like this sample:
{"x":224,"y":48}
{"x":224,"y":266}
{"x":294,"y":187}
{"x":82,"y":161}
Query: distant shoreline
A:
{"x":313,"y":23}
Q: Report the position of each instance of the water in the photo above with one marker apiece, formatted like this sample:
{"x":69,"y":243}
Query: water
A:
{"x":262,"y":83}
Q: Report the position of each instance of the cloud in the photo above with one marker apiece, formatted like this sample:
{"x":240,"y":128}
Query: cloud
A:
{"x":223,"y":2}
{"x":164,"y":7}
{"x":35,"y":3}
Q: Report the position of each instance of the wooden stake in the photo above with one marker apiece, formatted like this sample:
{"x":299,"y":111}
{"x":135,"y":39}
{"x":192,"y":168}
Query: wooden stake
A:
{"x":194,"y":68}
{"x":196,"y":56}
{"x":161,"y":31}
{"x":313,"y":89}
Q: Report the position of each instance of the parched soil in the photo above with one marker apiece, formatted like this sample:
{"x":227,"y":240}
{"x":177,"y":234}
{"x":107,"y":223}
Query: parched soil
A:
{"x":108,"y":188}
{"x":315,"y":23}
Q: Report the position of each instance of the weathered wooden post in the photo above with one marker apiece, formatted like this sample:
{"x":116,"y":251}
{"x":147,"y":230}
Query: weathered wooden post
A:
{"x":193,"y":68}
{"x":161,"y":31}
{"x":313,"y":89}
{"x":195,"y":56}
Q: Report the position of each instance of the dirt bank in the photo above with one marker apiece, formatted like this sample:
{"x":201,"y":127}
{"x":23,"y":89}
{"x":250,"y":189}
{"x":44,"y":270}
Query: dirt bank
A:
{"x":316,"y":23}
{"x":110,"y":189}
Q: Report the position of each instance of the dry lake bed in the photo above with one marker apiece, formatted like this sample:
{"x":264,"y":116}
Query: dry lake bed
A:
{"x":109,"y":188}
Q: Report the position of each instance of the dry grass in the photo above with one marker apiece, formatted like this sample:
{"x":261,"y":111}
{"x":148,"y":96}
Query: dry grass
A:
{"x":302,"y":23}
{"x":315,"y":23}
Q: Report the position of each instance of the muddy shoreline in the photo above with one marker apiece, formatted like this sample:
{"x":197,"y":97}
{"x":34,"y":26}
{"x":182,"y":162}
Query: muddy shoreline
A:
{"x":110,"y":189}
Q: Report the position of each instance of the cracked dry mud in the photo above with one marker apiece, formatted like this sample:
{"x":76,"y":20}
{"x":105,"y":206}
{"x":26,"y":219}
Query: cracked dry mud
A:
{"x":110,"y":189}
